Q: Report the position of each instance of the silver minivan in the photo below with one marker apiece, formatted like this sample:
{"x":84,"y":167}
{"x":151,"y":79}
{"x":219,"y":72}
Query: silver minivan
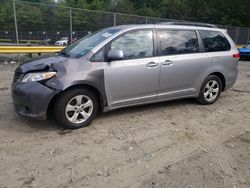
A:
{"x":123,"y":66}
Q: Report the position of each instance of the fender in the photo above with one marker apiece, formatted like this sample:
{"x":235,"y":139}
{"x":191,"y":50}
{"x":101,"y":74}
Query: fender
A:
{"x":93,"y":79}
{"x":203,"y":75}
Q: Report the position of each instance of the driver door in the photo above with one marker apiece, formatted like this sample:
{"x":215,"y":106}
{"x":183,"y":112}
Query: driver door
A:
{"x":134,"y":79}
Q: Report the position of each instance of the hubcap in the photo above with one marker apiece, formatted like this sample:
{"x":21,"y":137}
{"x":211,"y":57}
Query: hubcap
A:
{"x":79,"y":109}
{"x":211,"y":90}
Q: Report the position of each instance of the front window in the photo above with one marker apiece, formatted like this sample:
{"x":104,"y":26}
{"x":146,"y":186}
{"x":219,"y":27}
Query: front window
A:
{"x":99,"y":56}
{"x":136,"y":44}
{"x":87,"y":43}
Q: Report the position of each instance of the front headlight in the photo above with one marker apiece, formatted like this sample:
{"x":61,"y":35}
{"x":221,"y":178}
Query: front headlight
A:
{"x":37,"y":76}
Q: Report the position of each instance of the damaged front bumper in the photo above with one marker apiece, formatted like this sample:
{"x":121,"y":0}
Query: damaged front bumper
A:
{"x":32,"y":99}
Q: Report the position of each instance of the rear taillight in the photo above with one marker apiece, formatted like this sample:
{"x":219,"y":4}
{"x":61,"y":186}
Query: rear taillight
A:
{"x":236,"y":56}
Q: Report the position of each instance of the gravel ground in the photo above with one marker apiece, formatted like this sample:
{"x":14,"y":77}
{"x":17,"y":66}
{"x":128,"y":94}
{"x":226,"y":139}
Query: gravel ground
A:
{"x":172,"y":144}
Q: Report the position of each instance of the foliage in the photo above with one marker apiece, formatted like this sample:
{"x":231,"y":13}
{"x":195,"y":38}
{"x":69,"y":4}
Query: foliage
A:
{"x":228,"y":12}
{"x":51,"y":18}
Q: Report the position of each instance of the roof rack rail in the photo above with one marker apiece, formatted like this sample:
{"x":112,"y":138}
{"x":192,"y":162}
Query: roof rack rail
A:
{"x":189,"y":24}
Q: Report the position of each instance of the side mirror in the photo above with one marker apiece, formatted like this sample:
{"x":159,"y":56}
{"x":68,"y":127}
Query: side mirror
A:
{"x":115,"y":55}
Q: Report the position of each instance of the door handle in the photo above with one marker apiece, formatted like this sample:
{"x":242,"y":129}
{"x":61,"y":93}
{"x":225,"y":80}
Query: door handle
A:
{"x":152,"y":64}
{"x":167,"y":63}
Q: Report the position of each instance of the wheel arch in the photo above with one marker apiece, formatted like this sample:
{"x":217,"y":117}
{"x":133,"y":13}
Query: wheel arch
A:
{"x":222,"y":78}
{"x":95,"y":90}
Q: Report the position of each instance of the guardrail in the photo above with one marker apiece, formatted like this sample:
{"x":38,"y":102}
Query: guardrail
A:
{"x":30,"y":49}
{"x":37,"y":49}
{"x":240,"y":45}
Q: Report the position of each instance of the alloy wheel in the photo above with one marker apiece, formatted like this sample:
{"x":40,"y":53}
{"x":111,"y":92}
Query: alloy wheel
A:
{"x":211,"y":90}
{"x":79,"y":109}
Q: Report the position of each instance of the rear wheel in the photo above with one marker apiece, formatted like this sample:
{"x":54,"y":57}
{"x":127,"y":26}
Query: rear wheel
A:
{"x":76,"y":108}
{"x":210,"y":90}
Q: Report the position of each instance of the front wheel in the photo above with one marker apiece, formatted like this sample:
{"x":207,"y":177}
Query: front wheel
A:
{"x":210,"y":90}
{"x":76,"y":108}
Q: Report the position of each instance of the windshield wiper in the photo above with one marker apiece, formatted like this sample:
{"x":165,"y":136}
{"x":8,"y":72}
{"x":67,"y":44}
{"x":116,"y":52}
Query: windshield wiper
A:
{"x":64,"y":54}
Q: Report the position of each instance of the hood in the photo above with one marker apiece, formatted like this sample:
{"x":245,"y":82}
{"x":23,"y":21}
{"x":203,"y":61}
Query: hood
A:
{"x":41,"y":62}
{"x":244,"y":49}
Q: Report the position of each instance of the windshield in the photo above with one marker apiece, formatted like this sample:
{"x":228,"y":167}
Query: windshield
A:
{"x":87,"y":43}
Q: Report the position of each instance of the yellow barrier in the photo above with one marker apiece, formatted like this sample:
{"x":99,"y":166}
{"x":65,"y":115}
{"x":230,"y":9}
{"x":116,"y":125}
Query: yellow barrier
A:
{"x":38,"y":49}
{"x":30,"y":49}
{"x":240,"y":45}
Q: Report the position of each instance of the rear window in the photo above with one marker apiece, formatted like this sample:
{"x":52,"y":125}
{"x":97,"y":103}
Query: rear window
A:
{"x":214,"y":41}
{"x":174,"y":42}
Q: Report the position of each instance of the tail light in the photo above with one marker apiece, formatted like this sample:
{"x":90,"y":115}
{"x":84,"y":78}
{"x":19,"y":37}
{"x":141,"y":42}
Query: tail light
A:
{"x":236,"y":56}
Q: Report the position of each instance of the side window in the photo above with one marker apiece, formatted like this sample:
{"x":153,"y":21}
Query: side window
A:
{"x":173,"y":42}
{"x":98,"y":57}
{"x":214,"y":41}
{"x":137,"y":44}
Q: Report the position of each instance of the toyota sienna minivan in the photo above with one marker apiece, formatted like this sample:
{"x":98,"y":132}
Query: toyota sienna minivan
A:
{"x":124,"y":66}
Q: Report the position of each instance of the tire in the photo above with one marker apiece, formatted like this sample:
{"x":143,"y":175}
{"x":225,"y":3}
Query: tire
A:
{"x":210,"y":90}
{"x":76,"y":108}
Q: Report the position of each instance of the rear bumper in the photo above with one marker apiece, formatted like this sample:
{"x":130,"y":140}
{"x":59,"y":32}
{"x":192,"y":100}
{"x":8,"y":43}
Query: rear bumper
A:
{"x":32,"y":99}
{"x":231,"y":79}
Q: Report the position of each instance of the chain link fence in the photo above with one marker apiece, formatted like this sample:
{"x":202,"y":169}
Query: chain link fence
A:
{"x":37,"y":23}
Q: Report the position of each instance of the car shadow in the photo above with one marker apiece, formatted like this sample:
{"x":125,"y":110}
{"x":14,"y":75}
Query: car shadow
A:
{"x":245,"y":59}
{"x":53,"y":126}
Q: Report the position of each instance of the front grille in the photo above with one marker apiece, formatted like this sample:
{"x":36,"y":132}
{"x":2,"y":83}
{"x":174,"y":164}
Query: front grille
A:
{"x":245,"y":53}
{"x":17,"y":78}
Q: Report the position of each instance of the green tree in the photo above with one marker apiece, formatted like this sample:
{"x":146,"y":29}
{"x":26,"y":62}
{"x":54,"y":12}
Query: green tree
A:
{"x":39,"y":17}
{"x":124,"y":6}
{"x":98,"y":5}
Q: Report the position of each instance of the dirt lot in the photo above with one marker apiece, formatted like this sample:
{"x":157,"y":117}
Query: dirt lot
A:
{"x":173,"y":144}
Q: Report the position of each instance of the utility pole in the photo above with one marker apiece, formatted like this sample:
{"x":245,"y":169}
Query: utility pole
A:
{"x":70,"y":24}
{"x":15,"y":20}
